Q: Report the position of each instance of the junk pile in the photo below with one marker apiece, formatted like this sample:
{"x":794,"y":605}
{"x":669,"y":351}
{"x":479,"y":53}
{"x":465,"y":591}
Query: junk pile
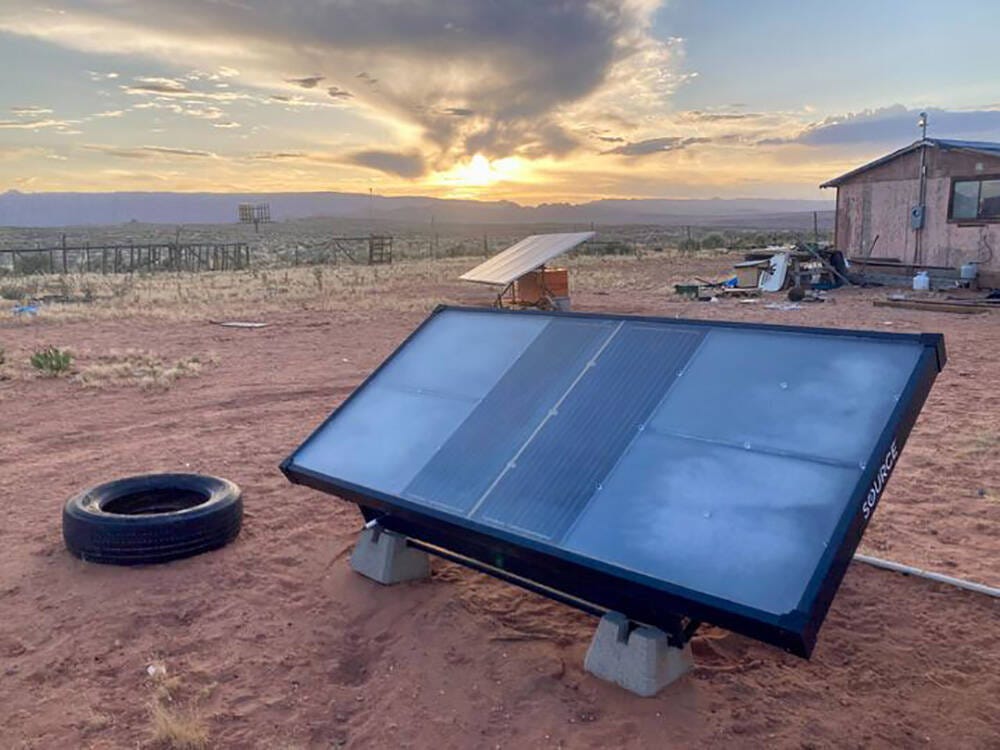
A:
{"x":805,"y":269}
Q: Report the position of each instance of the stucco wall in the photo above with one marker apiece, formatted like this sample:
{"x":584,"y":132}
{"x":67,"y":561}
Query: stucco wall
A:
{"x":878,"y":202}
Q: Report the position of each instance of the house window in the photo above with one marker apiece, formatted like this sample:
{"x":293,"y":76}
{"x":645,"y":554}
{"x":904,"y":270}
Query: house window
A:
{"x":975,"y":199}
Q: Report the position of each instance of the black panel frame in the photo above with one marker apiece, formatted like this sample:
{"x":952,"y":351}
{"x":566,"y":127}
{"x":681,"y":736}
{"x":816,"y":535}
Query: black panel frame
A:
{"x":640,"y":597}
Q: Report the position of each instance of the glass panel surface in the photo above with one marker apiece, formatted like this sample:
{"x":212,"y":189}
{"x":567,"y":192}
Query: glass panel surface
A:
{"x":736,"y":524}
{"x":383,"y":437}
{"x":820,"y":396}
{"x":717,"y":459}
{"x":462,"y":354}
{"x":475,"y":455}
{"x":544,"y":489}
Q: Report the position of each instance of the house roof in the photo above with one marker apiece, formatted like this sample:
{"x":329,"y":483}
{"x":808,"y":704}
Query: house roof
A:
{"x":945,"y":144}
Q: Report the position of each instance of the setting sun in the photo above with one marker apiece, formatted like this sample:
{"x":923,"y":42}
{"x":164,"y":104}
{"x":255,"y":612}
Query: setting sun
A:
{"x":480,"y":172}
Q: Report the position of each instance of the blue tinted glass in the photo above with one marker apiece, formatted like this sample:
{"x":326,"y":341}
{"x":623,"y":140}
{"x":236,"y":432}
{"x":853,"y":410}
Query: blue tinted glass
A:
{"x":740,"y":525}
{"x":718,"y":459}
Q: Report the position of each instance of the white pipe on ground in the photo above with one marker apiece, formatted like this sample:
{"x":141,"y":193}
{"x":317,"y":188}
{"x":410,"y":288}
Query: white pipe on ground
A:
{"x":919,"y":573}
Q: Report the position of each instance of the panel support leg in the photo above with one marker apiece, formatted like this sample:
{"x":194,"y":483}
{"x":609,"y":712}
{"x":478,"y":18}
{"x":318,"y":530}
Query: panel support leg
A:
{"x":638,"y":658}
{"x":385,"y":557}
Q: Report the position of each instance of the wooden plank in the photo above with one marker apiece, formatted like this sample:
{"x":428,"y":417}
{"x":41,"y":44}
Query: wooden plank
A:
{"x":929,"y":306}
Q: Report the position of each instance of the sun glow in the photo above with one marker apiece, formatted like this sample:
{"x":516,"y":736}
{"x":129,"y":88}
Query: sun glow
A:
{"x":480,"y":172}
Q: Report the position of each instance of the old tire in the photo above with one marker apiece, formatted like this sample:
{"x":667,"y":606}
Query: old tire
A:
{"x":152,"y":518}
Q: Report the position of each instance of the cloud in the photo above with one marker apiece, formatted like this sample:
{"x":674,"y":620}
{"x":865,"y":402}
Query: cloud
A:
{"x":309,"y":82}
{"x":172,"y":89}
{"x":30,"y":111}
{"x":657,"y":145}
{"x":34,"y":124}
{"x":148,"y":152}
{"x":895,"y":125}
{"x":407,"y":165}
{"x":279,"y":155}
{"x":14,"y":153}
{"x":157,"y":85}
{"x":338,"y":93}
{"x":531,"y":72}
{"x":179,"y":151}
{"x":699,"y":116}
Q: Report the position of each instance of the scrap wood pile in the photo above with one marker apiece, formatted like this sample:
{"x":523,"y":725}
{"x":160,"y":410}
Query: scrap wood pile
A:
{"x":964,"y":305}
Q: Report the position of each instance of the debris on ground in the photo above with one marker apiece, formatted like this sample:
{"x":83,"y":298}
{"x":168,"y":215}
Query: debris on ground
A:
{"x":238,"y":323}
{"x":952,"y":306}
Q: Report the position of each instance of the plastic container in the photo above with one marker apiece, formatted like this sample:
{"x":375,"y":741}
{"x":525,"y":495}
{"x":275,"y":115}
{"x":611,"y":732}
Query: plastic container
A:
{"x":969,"y":271}
{"x":921,"y":282}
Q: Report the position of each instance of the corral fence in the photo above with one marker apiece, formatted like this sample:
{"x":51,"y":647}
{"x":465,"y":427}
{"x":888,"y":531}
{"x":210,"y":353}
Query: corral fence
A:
{"x":370,"y":249}
{"x":130,"y":258}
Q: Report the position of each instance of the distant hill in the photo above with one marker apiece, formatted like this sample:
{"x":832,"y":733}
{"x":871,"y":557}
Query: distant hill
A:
{"x":73,"y":209}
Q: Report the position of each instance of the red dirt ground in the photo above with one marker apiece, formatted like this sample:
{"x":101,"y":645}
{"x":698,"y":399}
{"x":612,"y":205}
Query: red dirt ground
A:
{"x":282,"y":646}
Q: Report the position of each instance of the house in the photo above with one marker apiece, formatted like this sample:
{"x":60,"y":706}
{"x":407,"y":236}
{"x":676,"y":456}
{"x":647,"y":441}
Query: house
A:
{"x":935,"y":202}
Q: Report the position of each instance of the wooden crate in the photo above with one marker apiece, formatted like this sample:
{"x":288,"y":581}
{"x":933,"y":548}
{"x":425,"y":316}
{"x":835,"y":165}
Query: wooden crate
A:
{"x":534,"y":287}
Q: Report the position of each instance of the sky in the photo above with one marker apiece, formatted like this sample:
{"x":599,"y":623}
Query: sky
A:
{"x":525,"y":100}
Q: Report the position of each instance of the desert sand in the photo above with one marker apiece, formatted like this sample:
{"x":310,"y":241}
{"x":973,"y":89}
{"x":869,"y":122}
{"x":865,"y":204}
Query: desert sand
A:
{"x":272,"y":642}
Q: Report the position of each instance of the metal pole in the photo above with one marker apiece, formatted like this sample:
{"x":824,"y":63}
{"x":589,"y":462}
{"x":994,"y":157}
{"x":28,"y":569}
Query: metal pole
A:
{"x":930,"y":576}
{"x":922,"y":193}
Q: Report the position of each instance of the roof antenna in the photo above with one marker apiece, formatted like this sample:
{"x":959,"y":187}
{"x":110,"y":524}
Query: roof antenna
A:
{"x":922,"y":124}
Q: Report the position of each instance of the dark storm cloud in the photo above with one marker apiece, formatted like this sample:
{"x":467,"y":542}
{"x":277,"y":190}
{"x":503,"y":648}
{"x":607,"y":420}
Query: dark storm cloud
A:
{"x":657,"y":145}
{"x":896,"y":125}
{"x":513,"y":64}
{"x":407,"y":165}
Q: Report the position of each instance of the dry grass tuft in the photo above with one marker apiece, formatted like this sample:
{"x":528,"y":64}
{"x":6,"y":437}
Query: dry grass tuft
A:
{"x":137,"y":367}
{"x":175,"y":725}
{"x":96,"y":722}
{"x":210,"y":295}
{"x":984,"y":442}
{"x":177,"y":729}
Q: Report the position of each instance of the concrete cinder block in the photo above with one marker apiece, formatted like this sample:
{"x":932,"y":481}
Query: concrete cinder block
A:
{"x":385,"y":557}
{"x":639,"y":660}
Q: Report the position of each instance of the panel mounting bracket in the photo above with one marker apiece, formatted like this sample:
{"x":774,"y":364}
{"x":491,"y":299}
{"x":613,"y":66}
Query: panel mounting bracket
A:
{"x":639,"y":658}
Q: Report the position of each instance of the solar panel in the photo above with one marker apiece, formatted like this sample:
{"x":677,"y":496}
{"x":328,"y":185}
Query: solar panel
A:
{"x":530,"y":253}
{"x":662,"y":468}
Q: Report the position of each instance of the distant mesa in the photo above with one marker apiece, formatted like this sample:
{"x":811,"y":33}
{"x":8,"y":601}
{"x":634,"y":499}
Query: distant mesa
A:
{"x":68,"y":209}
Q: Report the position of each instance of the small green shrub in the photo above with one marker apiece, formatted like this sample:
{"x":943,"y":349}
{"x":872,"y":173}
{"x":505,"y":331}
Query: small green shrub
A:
{"x":15,"y":292}
{"x":713,"y":242}
{"x":52,"y":361}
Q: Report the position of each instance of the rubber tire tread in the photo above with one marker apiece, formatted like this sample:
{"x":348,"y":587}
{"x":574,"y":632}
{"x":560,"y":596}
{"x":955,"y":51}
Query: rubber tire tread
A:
{"x":108,"y":538}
